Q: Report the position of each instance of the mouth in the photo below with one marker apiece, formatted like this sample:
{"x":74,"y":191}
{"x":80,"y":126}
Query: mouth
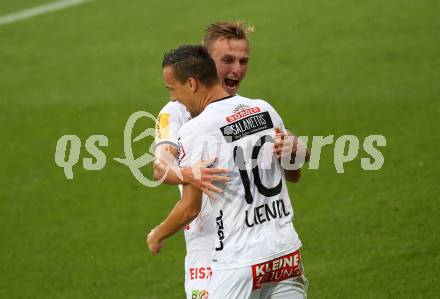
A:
{"x":231,"y":84}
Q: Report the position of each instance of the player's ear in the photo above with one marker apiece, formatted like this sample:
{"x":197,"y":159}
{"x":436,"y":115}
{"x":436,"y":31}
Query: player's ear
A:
{"x":193,"y":84}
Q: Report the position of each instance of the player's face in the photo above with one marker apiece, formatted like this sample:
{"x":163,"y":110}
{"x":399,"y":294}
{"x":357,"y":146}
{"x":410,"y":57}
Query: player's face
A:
{"x":231,"y":58}
{"x":178,"y":91}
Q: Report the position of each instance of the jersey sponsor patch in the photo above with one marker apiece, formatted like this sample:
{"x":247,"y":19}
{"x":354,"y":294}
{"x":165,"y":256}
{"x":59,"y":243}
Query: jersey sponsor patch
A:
{"x":247,"y":126}
{"x":276,"y":270}
{"x":200,"y":273}
{"x":199,"y":294}
{"x":180,"y":152}
{"x":243,"y":112}
{"x":220,"y":231}
{"x":162,"y":126}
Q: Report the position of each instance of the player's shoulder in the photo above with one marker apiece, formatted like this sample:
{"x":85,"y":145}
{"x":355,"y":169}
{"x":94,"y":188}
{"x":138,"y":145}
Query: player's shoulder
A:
{"x":253,"y":101}
{"x":174,"y":107}
{"x":200,"y":126}
{"x":254,"y":104}
{"x":262,"y":103}
{"x":229,"y":109}
{"x":188,"y":128}
{"x":248,"y":107}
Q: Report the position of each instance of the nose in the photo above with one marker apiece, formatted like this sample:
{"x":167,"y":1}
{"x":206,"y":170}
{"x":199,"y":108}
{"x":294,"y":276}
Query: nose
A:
{"x":237,"y":69}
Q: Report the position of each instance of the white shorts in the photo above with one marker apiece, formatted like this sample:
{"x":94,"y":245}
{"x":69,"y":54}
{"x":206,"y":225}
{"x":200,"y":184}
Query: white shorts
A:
{"x":198,"y":274}
{"x":257,"y":282}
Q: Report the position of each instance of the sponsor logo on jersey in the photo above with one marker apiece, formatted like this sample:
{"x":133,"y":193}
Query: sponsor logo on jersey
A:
{"x":276,"y":270}
{"x":162,"y":126}
{"x":247,"y":126}
{"x":199,"y":294}
{"x":240,"y":107}
{"x":180,"y":152}
{"x":200,"y":273}
{"x":240,"y":112}
{"x":220,"y":231}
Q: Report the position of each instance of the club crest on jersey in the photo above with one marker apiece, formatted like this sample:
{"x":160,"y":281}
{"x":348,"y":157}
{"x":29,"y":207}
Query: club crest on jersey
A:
{"x":247,"y":126}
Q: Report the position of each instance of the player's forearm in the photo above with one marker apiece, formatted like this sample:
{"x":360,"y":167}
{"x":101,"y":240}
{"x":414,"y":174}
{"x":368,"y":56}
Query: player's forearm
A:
{"x":167,"y":170}
{"x":181,"y":215}
{"x":292,"y":175}
{"x":165,"y":164}
{"x":307,"y":157}
{"x":299,"y":148}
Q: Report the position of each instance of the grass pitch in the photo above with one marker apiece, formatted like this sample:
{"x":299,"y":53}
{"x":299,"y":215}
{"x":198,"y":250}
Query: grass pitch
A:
{"x":329,"y":68}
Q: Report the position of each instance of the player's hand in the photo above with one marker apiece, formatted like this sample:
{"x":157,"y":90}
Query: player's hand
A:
{"x":203,"y":177}
{"x":284,"y":144}
{"x":289,"y":146}
{"x":153,"y":243}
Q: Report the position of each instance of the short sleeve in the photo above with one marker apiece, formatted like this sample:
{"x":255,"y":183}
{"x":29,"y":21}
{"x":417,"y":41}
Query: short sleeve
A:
{"x":170,"y":119}
{"x":194,"y":144}
{"x":187,"y":149}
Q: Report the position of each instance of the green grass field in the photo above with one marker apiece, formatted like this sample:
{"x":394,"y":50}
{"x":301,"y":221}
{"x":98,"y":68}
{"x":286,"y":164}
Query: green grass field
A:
{"x":329,"y":67}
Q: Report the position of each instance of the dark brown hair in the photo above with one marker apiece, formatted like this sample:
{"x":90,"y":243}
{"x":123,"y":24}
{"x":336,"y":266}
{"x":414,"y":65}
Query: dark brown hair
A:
{"x":191,"y":61}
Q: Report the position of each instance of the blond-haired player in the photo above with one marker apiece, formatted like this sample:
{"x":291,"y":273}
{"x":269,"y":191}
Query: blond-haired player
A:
{"x":256,"y":250}
{"x":228,"y":45}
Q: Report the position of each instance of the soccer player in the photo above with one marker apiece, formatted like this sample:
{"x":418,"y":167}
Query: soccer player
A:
{"x":256,"y":253}
{"x":228,"y":44}
{"x":229,"y":47}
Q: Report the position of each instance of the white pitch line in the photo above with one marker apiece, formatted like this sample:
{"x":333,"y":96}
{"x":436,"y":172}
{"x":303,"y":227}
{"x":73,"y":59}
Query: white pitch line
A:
{"x":38,"y":10}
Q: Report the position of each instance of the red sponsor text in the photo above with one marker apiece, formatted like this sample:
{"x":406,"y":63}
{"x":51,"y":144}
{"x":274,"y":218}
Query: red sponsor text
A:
{"x":200,"y":273}
{"x":276,"y":270}
{"x":242,"y":113}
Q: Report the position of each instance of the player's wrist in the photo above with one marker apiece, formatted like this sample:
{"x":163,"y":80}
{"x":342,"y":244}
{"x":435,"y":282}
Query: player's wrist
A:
{"x":157,"y":236}
{"x":186,"y":175}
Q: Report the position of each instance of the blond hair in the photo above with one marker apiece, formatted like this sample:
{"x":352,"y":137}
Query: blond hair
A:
{"x":227,"y":30}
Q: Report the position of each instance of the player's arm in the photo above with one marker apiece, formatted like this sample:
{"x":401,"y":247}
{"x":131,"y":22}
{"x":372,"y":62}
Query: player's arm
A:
{"x":185,"y":211}
{"x":165,"y":167}
{"x":290,"y":146}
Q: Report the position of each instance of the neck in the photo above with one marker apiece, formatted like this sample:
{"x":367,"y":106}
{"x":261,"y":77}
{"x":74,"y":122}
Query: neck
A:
{"x":212,"y":95}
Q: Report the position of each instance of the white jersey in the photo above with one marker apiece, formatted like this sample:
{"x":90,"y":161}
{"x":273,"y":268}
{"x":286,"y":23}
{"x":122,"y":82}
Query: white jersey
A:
{"x":169,"y":121}
{"x":253,"y":215}
{"x":200,"y":234}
